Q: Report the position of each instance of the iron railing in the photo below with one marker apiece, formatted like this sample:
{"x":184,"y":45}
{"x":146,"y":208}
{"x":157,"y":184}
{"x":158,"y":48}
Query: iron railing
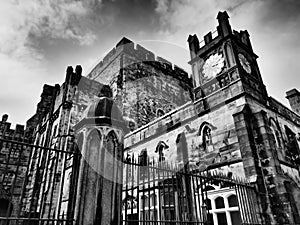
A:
{"x":168,"y":194}
{"x":34,"y":184}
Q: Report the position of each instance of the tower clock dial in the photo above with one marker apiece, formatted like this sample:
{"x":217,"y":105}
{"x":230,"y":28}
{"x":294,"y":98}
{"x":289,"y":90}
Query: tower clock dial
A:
{"x":213,"y":66}
{"x":245,"y":63}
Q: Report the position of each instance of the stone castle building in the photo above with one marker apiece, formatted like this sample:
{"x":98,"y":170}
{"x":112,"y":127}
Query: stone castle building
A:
{"x":220,"y":119}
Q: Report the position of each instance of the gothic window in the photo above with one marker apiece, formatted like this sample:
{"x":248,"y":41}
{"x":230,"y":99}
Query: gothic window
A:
{"x":205,"y":133}
{"x":160,"y":148}
{"x":112,"y":155}
{"x":292,"y":148}
{"x":275,"y":132}
{"x":111,"y":144}
{"x":93,"y":147}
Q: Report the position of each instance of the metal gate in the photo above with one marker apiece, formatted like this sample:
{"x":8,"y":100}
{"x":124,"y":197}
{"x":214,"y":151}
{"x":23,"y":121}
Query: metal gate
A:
{"x":36,"y":191}
{"x":169,"y":194}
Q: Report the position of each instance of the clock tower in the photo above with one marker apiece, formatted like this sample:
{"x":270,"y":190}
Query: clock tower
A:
{"x":224,"y":65}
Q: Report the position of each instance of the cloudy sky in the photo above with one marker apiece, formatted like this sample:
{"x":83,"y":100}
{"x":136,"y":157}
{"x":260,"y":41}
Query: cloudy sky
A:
{"x":40,"y":38}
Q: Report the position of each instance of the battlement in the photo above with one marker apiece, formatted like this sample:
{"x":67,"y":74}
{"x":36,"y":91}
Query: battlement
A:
{"x":140,"y":54}
{"x":211,"y":38}
{"x":7,"y":131}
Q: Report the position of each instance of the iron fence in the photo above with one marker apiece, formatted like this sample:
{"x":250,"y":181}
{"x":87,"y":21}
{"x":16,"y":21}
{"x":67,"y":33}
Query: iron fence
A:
{"x":34,"y":184}
{"x":165,"y":194}
{"x":37,"y":191}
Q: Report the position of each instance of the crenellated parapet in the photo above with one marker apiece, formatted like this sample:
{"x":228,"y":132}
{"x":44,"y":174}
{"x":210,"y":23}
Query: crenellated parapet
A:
{"x":139,"y":55}
{"x":6,"y":131}
{"x":212,"y":38}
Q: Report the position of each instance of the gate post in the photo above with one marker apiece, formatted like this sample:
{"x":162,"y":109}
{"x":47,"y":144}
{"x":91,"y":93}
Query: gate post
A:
{"x":99,"y":192}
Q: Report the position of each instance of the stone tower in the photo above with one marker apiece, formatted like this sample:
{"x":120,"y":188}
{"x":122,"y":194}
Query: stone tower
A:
{"x":226,"y":76}
{"x":144,"y":86}
{"x":225,"y":60}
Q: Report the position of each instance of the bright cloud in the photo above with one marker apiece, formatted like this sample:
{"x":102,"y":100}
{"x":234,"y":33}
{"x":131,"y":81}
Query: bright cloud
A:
{"x":22,"y":62}
{"x":40,"y":38}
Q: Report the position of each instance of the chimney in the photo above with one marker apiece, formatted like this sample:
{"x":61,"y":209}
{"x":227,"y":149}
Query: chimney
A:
{"x":224,"y":27}
{"x":294,"y":99}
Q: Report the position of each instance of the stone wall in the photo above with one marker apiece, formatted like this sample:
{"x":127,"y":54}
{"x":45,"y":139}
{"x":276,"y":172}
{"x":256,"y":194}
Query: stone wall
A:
{"x":211,"y":139}
{"x":142,"y":84}
{"x":276,"y":138}
{"x":14,"y":159}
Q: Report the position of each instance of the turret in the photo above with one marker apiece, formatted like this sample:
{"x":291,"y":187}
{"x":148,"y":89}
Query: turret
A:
{"x":193,"y":45}
{"x":4,"y":118}
{"x":224,"y":27}
{"x":100,"y":139}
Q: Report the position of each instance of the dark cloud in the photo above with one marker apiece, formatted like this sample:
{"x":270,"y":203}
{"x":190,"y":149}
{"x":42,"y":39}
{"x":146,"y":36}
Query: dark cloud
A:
{"x":278,"y":12}
{"x":125,"y":15}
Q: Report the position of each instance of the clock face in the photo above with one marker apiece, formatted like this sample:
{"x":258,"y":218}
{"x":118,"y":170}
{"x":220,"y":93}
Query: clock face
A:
{"x":245,"y":63}
{"x":213,"y":65}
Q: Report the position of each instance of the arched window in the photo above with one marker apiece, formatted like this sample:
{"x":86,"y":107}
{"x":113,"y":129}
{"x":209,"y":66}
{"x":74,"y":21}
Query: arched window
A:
{"x":93,"y":148}
{"x":111,"y":144}
{"x":204,"y":132}
{"x":206,"y":137}
{"x":219,"y":201}
{"x":112,"y":156}
{"x":275,"y":132}
{"x":160,"y":148}
{"x":232,"y":201}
